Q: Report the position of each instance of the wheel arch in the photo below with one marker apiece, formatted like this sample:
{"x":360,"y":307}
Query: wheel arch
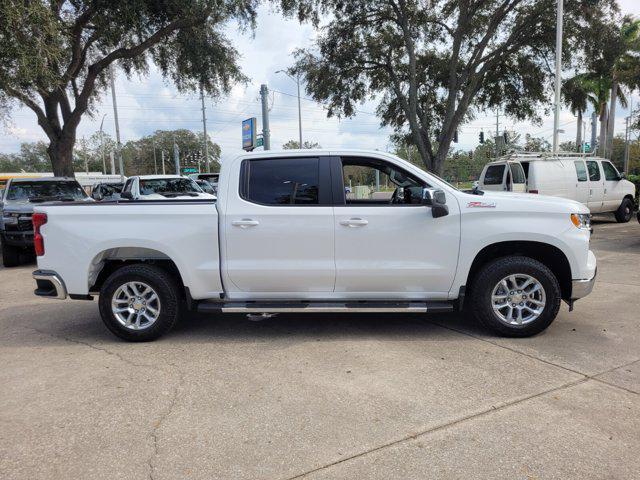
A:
{"x":108,"y":261}
{"x":549,"y":255}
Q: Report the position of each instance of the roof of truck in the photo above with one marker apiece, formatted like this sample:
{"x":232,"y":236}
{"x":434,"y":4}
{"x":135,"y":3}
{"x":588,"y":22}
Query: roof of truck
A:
{"x":42,"y":179}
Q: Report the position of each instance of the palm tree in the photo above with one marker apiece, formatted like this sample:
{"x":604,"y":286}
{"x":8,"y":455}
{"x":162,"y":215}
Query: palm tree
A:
{"x":577,"y":95}
{"x":623,"y":72}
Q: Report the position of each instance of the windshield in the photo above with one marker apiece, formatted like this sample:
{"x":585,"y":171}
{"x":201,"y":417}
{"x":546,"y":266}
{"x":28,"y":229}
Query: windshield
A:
{"x":168,"y":185}
{"x":45,"y":190}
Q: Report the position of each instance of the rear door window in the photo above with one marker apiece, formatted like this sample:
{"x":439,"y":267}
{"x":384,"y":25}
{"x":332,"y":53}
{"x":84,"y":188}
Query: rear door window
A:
{"x":581,"y":171}
{"x":283,"y":181}
{"x":494,"y":175}
{"x":610,"y":172}
{"x":594,"y":170}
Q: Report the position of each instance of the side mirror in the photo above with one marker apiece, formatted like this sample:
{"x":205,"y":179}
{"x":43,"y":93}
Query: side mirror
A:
{"x":622,"y":176}
{"x":128,"y":195}
{"x":436,"y":199}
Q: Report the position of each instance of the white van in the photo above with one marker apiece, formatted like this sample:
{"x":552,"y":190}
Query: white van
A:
{"x":593,"y":181}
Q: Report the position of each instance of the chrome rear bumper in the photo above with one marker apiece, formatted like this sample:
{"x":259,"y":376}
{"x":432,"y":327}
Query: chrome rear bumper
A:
{"x":49,"y":285}
{"x":582,"y":288}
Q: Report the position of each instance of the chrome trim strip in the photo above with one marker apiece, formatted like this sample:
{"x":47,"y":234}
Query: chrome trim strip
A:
{"x":61,"y":290}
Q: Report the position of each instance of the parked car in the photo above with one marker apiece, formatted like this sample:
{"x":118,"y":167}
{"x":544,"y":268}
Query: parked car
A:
{"x":283,"y":237}
{"x":162,"y":187}
{"x":106,"y":191}
{"x":592,"y":181}
{"x":17,"y":200}
{"x":207,"y":187}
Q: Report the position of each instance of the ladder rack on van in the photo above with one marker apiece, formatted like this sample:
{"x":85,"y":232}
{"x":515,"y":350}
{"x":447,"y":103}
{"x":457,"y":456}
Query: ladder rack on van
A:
{"x":544,"y":155}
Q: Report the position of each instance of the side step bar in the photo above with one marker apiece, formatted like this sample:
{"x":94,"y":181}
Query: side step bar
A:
{"x":324,"y":307}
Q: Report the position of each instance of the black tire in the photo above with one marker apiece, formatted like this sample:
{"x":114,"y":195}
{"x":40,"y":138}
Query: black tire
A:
{"x":492,"y":273}
{"x":10,"y":255}
{"x":625,"y":211}
{"x":165,"y":287}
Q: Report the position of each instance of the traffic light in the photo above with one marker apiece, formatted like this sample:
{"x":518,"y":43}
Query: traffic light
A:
{"x":481,"y":137}
{"x":505,"y":135}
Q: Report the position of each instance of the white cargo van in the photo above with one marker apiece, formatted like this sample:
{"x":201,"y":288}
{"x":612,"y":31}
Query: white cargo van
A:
{"x":593,"y":181}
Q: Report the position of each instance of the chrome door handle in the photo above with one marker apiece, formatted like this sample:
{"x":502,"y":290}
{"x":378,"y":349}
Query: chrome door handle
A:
{"x":245,"y":223}
{"x":354,"y":222}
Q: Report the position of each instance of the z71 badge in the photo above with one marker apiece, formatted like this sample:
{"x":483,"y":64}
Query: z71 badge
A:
{"x":481,"y":205}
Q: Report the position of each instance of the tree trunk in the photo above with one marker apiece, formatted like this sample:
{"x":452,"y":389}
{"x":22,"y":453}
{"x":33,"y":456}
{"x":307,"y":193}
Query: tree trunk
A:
{"x":603,"y":130}
{"x":61,"y":155}
{"x":612,"y":118}
{"x":579,"y":132}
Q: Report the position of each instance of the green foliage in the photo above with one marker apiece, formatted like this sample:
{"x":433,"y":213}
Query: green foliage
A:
{"x":295,"y":144}
{"x":56,"y":55}
{"x":433,"y":68}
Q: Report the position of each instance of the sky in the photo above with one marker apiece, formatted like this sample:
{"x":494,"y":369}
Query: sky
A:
{"x":149,"y":103}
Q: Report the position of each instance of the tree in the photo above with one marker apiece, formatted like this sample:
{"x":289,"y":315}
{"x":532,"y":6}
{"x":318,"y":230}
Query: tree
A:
{"x":295,"y":144}
{"x":56,"y":55}
{"x":577,"y":96}
{"x":435,"y":67}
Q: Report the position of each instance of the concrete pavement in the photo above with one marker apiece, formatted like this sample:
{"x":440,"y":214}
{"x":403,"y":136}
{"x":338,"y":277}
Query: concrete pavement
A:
{"x":326,"y":396}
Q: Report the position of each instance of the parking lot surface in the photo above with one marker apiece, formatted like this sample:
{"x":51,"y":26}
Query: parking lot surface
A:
{"x":326,"y":396}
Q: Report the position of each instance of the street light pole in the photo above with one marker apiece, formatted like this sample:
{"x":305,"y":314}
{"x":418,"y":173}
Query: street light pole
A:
{"x":297,"y":80}
{"x":104,"y":164}
{"x":115,"y":114}
{"x":558,"y":79}
{"x":206,"y":138}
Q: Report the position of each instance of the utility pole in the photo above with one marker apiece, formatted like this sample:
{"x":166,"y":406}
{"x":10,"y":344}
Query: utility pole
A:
{"x":115,"y":115}
{"x":266,"y":135}
{"x":594,"y":131}
{"x":113,"y":163}
{"x":206,"y":139}
{"x":104,"y":165}
{"x":497,"y":132}
{"x":558,"y":79}
{"x":162,"y":160}
{"x":626,"y":146}
{"x":155,"y":162}
{"x":176,"y":157}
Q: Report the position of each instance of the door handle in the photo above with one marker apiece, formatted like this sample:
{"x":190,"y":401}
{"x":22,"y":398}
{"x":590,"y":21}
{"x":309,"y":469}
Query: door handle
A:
{"x":354,"y":222}
{"x":245,"y":223}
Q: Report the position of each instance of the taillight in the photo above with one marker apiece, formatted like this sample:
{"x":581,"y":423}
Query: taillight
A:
{"x":38,"y":220}
{"x":533,"y":191}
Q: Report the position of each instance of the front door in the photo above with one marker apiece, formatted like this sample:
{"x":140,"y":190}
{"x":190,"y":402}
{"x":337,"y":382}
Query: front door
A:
{"x":278,"y":229}
{"x":387,"y":243}
{"x":596,"y":186}
{"x":613,"y":190}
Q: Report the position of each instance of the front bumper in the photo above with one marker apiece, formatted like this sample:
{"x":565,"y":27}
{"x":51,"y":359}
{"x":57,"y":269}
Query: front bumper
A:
{"x":17,"y":238}
{"x":49,"y":284}
{"x":582,"y":288}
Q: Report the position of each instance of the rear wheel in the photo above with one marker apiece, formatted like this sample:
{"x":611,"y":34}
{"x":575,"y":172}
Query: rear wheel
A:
{"x":10,"y":255}
{"x":140,"y":302}
{"x":625,"y":211}
{"x":515,"y":296}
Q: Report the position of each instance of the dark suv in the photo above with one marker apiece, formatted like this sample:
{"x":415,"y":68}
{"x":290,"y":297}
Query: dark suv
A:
{"x":16,"y":207}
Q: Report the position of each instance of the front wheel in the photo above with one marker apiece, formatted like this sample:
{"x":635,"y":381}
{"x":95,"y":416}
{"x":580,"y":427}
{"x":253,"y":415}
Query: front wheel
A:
{"x":625,"y":211}
{"x":140,"y":302}
{"x":515,"y":296}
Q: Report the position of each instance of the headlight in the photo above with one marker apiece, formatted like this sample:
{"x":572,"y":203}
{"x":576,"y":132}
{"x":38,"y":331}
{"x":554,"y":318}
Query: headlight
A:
{"x":581,"y":220}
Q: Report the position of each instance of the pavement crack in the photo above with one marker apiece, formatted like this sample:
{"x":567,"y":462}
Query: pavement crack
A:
{"x":443,"y":426}
{"x":95,"y":347}
{"x":158,"y":424}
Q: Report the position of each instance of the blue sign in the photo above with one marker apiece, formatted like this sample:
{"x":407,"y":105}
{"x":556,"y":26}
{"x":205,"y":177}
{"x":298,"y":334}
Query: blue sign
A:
{"x":249,"y":134}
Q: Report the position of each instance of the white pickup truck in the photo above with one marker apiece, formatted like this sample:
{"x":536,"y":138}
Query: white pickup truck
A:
{"x":319,"y":231}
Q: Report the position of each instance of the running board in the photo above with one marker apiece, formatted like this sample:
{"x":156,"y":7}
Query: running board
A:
{"x":324,"y":307}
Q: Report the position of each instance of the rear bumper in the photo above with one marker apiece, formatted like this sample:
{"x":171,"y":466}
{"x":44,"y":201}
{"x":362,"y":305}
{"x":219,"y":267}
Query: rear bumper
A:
{"x":49,"y":285}
{"x":582,"y":288}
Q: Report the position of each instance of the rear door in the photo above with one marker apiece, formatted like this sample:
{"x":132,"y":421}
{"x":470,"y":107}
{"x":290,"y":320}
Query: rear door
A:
{"x":494,"y":177}
{"x":278,"y":227}
{"x":596,"y":186}
{"x":517,"y":177}
{"x":613,"y":190}
{"x":581,"y":182}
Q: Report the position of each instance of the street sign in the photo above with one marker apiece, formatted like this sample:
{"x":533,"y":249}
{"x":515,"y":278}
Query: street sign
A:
{"x":260,"y":141}
{"x":249,"y":134}
{"x":188,"y":170}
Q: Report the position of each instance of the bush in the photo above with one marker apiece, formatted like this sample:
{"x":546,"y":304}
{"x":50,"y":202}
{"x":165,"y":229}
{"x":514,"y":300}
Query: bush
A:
{"x":636,"y":181}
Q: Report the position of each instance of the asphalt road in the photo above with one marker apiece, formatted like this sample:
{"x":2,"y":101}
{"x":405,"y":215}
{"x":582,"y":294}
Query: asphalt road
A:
{"x":326,"y":396}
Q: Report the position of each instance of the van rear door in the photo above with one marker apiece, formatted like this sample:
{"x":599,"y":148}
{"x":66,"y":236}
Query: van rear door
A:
{"x":493,"y":177}
{"x":517,"y":177}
